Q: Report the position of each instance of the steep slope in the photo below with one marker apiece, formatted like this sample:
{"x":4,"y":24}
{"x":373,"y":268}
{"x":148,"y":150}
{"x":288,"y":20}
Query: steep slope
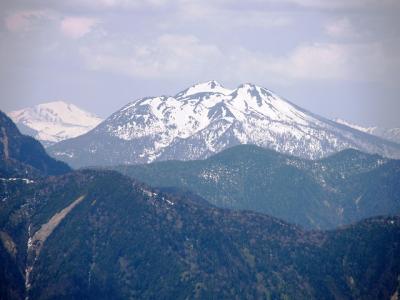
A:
{"x":391,"y":134}
{"x":23,"y":156}
{"x":339,"y":189}
{"x":78,"y":237}
{"x":206,"y":119}
{"x":54,"y":121}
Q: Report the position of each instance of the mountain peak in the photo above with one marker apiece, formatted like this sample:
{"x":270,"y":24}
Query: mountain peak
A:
{"x":54,"y":121}
{"x":253,"y":90}
{"x":204,"y":87}
{"x":213,"y":84}
{"x":61,"y":107}
{"x":247,"y":85}
{"x":207,"y":118}
{"x":55,"y":103}
{"x":254,"y":87}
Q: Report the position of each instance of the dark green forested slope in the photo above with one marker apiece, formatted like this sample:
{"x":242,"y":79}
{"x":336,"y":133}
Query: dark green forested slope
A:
{"x":101,"y":235}
{"x":341,"y":189}
{"x":121,"y":239}
{"x":23,"y":156}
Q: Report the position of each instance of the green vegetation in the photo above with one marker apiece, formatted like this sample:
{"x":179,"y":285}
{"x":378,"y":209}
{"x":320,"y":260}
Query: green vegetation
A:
{"x":94,"y":234}
{"x":323,"y":194}
{"x":127,"y":240}
{"x":23,"y":156}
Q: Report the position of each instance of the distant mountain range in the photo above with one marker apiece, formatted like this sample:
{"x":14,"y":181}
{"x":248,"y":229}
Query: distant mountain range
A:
{"x":97,"y":234}
{"x":206,"y":119}
{"x":320,"y":194}
{"x":391,"y":134}
{"x":54,"y":121}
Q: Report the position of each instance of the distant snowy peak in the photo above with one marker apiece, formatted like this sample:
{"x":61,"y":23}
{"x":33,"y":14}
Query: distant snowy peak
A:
{"x":391,"y":134}
{"x":207,"y":118}
{"x":54,"y":121}
{"x":196,"y":108}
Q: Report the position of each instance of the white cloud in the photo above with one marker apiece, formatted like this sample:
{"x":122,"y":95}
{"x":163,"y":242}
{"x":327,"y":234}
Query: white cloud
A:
{"x":124,"y":4}
{"x":340,"y":4}
{"x":25,"y":20}
{"x":185,"y":56}
{"x":220,"y":15}
{"x":316,"y":61}
{"x":341,"y":28}
{"x":167,"y":56}
{"x":216,"y":55}
{"x":326,"y":61}
{"x":77,"y":27}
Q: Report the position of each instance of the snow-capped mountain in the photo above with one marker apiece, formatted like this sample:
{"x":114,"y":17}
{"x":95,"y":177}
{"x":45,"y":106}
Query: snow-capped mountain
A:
{"x":54,"y":121}
{"x":207,"y":118}
{"x":391,"y":134}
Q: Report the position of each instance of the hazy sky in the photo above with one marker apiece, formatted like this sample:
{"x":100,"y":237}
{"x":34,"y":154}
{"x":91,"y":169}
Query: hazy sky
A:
{"x":337,"y":58}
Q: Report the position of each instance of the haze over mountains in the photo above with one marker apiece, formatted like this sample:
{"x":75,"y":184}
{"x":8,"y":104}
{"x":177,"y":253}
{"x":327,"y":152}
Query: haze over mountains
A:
{"x":151,"y":182}
{"x":391,"y":134}
{"x":93,"y":234}
{"x":208,"y":118}
{"x":245,"y":221}
{"x":54,"y":121}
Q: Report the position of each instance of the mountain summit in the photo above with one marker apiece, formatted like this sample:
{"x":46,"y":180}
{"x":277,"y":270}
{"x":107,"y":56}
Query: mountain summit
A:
{"x":206,"y":87}
{"x":207,"y":118}
{"x":54,"y":121}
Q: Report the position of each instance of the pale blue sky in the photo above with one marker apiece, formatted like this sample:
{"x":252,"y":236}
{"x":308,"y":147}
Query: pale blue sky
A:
{"x":336,"y":58}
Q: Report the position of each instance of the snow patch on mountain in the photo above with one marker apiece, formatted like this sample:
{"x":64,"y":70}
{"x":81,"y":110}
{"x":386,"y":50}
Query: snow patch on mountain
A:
{"x":54,"y":121}
{"x":355,"y":126}
{"x":206,"y":87}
